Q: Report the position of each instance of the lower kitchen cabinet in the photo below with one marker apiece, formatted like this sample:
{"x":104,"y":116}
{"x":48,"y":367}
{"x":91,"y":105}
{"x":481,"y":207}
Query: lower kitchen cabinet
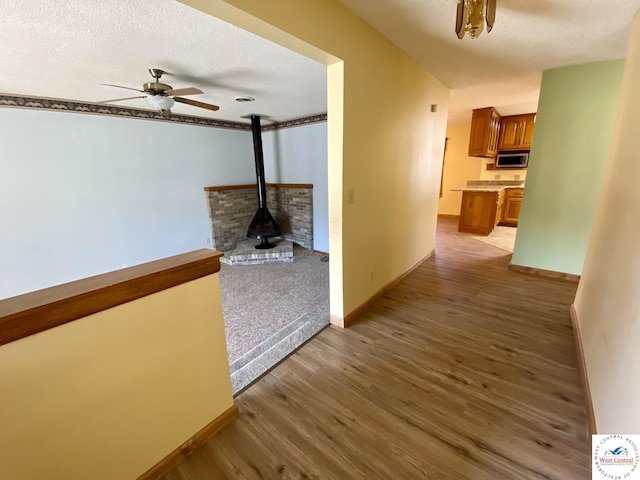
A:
{"x":480,"y":211}
{"x":512,"y":205}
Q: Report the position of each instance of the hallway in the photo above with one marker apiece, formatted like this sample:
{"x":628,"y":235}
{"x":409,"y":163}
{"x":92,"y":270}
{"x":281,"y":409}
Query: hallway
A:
{"x":464,"y":370}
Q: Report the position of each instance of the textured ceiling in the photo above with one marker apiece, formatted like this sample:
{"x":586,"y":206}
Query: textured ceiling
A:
{"x":66,"y":49}
{"x":510,"y":96}
{"x":502,"y":68}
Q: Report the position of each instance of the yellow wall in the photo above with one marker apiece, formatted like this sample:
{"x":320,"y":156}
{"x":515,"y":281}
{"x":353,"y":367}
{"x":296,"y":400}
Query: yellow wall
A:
{"x":110,"y":395}
{"x":458,"y":168}
{"x":384,"y":143}
{"x":500,"y":174}
{"x":608,"y":300}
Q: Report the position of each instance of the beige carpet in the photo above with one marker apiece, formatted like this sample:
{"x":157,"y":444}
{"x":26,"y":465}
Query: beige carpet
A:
{"x":501,"y":237}
{"x":259,"y":300}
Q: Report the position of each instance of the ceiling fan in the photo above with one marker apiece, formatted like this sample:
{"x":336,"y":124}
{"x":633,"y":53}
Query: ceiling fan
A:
{"x":161,"y":96}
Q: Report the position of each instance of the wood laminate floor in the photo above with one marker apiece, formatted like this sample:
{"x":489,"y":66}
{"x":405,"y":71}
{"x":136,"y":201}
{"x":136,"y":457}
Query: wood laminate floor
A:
{"x":464,"y":370}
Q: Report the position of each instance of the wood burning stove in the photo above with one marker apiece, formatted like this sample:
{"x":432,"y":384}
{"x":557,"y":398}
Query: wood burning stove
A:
{"x":263,"y":226}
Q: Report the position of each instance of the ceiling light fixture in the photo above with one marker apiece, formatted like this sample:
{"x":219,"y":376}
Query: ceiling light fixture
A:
{"x":159,"y":102}
{"x":472,"y":15}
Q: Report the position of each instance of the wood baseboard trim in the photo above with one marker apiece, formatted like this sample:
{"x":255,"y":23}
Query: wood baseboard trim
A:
{"x":591,"y":419}
{"x":540,"y":272}
{"x":353,"y":316}
{"x":165,"y":465}
{"x":448,"y":215}
{"x":320,"y":252}
{"x":336,"y":321}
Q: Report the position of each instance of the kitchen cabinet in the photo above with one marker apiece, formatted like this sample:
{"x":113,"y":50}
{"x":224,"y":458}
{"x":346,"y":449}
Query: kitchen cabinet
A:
{"x":485,"y":133}
{"x":481,"y":211}
{"x":516,"y":132}
{"x":511,"y":209}
{"x":499,"y":208}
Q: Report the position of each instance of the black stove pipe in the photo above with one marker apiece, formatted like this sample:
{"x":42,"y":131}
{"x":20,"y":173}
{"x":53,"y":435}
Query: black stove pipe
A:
{"x":259,"y":160}
{"x":263,"y":226}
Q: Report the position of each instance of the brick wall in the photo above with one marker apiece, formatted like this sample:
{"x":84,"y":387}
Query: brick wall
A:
{"x":230,"y":212}
{"x":231,"y":209}
{"x":293,"y":210}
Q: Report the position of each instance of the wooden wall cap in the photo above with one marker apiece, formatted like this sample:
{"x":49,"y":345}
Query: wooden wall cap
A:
{"x":41,"y":310}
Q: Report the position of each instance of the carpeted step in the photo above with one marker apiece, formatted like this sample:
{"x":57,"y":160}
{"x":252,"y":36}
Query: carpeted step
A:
{"x":257,"y":361}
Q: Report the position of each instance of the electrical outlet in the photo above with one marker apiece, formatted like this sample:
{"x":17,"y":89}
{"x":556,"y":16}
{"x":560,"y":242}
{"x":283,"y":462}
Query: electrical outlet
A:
{"x":350,"y":196}
{"x":208,"y":240}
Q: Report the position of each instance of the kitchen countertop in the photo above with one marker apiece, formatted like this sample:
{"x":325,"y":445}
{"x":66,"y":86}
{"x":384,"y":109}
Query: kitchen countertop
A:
{"x":484,"y":189}
{"x":488,"y":185}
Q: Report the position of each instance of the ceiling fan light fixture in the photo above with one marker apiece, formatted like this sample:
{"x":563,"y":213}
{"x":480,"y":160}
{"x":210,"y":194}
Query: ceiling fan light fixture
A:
{"x":162,"y":97}
{"x":160,"y":102}
{"x":475,"y":24}
{"x":472,"y":16}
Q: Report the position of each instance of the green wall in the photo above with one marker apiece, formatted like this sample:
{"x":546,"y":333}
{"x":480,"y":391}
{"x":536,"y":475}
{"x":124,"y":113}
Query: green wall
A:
{"x":574,"y":130}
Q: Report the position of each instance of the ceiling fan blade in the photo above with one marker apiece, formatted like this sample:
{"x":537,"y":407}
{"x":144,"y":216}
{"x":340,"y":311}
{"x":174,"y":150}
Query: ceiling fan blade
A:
{"x":460,"y":19}
{"x":184,"y":91}
{"x":121,"y":99}
{"x":166,"y":113}
{"x":120,"y":86}
{"x":195,"y":103}
{"x":491,"y":14}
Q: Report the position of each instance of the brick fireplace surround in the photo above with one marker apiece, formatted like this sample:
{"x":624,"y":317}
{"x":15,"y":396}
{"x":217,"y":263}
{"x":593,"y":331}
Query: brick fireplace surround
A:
{"x":232,"y":207}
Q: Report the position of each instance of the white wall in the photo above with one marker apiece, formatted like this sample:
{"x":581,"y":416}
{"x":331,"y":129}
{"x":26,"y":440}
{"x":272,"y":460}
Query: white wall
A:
{"x":85,"y":194}
{"x":607,"y":303}
{"x":299,"y":155}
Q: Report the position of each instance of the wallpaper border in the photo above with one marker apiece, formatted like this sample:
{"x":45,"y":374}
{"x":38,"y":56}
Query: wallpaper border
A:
{"x":74,"y":106}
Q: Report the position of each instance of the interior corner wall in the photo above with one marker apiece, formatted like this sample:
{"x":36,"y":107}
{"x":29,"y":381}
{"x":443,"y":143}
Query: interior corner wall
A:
{"x":457,"y":169}
{"x":86,"y":194}
{"x":574,"y":129}
{"x":607,"y":302}
{"x":299,"y":155}
{"x":387,"y":155}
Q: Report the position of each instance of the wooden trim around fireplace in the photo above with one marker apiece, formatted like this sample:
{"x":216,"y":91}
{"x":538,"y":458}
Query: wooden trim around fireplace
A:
{"x":253,"y":185}
{"x":35,"y":312}
{"x":290,"y":185}
{"x":229,"y":187}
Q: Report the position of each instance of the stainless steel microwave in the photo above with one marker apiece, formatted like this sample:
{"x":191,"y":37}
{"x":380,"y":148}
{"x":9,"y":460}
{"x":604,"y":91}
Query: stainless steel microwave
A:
{"x":512,"y":160}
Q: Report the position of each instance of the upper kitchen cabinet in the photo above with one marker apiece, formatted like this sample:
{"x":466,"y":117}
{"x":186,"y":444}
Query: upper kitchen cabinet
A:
{"x":516,"y":132}
{"x":485,"y":132}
